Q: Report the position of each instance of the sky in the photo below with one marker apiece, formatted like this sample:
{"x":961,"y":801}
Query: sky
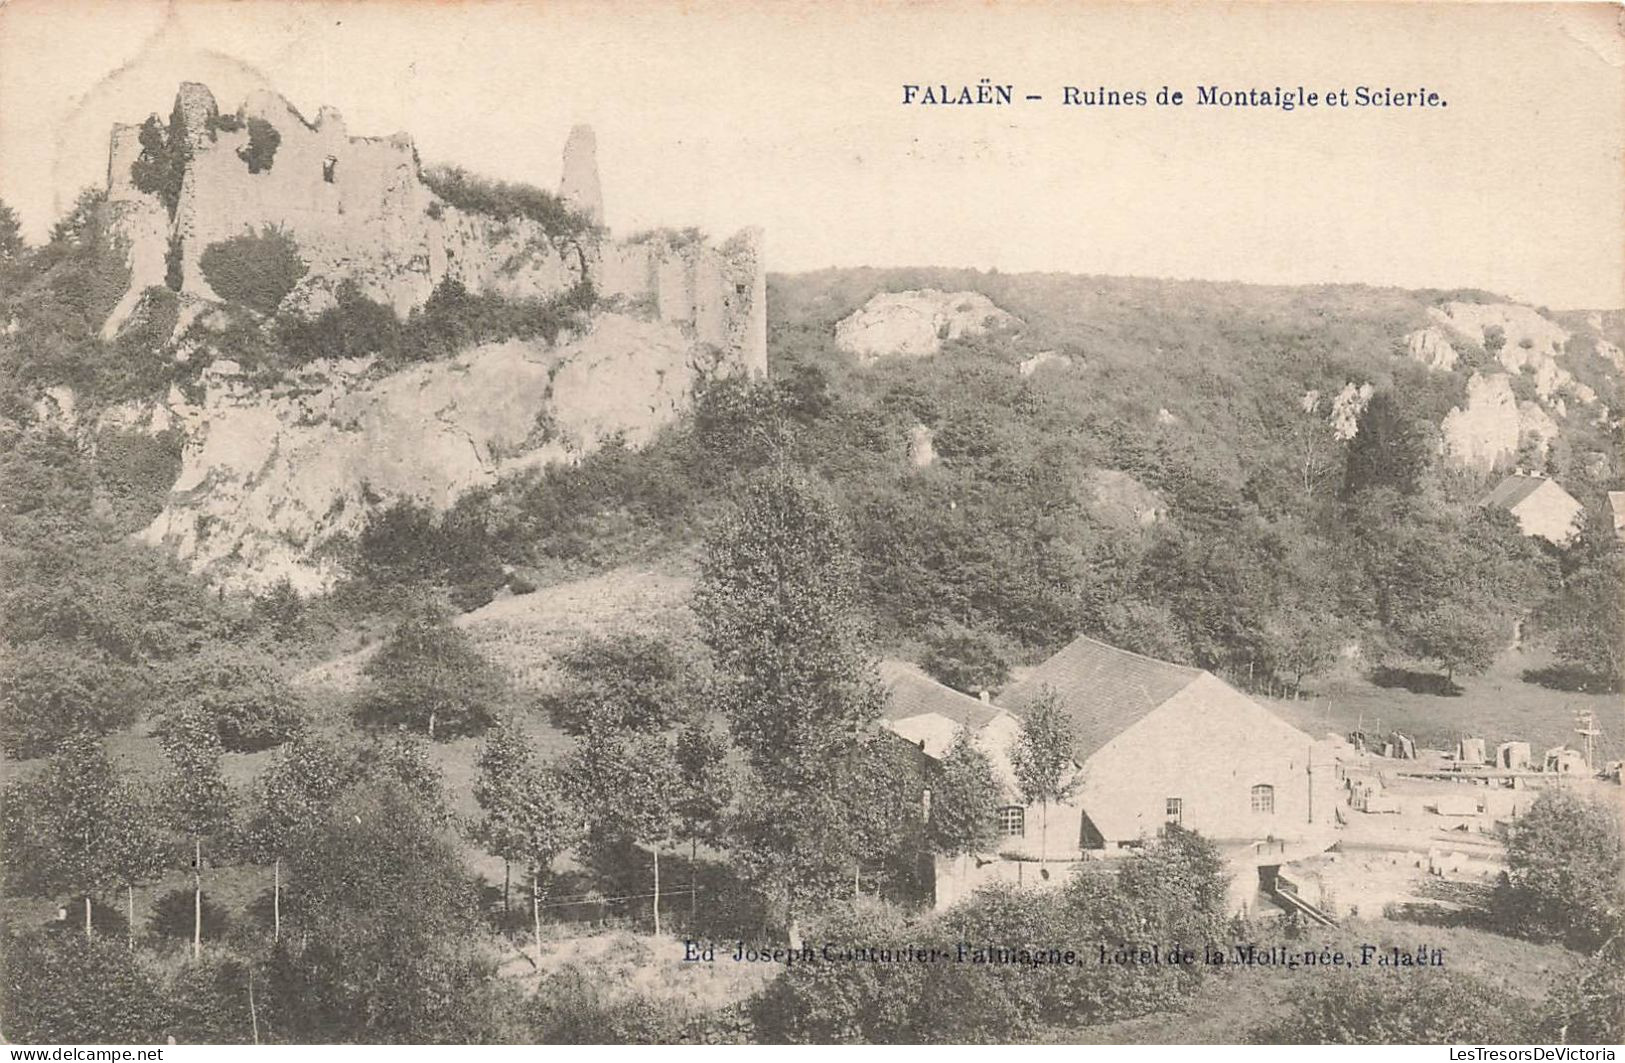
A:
{"x":788,"y":115}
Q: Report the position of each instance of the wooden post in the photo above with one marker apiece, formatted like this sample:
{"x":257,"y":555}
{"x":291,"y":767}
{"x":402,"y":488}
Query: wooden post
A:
{"x":657,"y":890}
{"x":276,"y":900}
{"x":536,"y":910}
{"x":87,"y":915}
{"x":197,"y":897}
{"x":253,"y":1013}
{"x":129,"y":922}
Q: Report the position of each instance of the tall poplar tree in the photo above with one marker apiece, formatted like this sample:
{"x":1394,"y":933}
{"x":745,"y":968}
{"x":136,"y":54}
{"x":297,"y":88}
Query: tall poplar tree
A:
{"x":778,"y":605}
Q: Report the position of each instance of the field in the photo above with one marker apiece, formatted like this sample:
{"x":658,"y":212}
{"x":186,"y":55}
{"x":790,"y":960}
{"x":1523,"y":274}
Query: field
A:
{"x":1498,"y":706}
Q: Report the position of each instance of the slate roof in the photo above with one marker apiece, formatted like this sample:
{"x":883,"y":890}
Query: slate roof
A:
{"x":1104,"y":688}
{"x":910,"y":692}
{"x":1514,"y":489}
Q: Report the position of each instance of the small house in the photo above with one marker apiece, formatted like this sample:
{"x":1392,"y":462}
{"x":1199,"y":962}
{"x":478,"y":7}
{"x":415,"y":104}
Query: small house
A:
{"x":1541,"y":507}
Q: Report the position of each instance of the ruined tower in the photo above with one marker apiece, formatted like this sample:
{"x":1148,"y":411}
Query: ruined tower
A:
{"x":578,"y":186}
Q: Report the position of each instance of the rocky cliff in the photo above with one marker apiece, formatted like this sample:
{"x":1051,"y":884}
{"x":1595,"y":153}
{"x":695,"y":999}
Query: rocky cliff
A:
{"x":269,"y":476}
{"x":272,"y":472}
{"x":1520,"y":343}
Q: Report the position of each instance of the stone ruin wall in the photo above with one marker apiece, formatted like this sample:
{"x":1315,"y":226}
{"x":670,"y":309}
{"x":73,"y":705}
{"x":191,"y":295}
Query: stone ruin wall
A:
{"x":375,"y":222}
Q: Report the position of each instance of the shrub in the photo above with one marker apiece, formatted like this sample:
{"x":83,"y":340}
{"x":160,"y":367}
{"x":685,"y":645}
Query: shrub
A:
{"x":504,"y":200}
{"x":570,"y":1008}
{"x":65,"y":988}
{"x":48,"y":690}
{"x":628,"y":681}
{"x":174,"y":261}
{"x":354,"y":327}
{"x":241,"y":691}
{"x":844,"y":1003}
{"x":160,"y":169}
{"x":968,"y":659}
{"x":1420,"y":1006}
{"x":260,"y":151}
{"x":174,"y":914}
{"x":1563,"y":871}
{"x":255,"y":271}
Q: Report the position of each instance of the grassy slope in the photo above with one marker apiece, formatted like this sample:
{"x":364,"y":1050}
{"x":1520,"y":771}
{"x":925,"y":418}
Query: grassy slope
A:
{"x":1498,"y":706}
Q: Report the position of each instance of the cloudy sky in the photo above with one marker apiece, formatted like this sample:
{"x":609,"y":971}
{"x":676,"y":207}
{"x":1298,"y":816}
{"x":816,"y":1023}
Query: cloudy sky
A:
{"x":788,"y":115}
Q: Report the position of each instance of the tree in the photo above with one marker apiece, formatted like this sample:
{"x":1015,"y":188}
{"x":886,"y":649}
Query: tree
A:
{"x":778,"y":605}
{"x":626,"y":784}
{"x":1455,"y":636}
{"x":1589,"y":619}
{"x":61,"y":823}
{"x":429,"y":677}
{"x":134,"y":850}
{"x":388,"y":949}
{"x":546,"y":826}
{"x":1042,"y":759}
{"x":882,"y":787}
{"x":1564,"y":871}
{"x":290,"y":796}
{"x":505,"y":765}
{"x":964,"y":800}
{"x":196,"y":799}
{"x":1302,"y":640}
{"x":630,"y":681}
{"x":1392,"y":447}
{"x":705,"y":789}
{"x":12,"y":247}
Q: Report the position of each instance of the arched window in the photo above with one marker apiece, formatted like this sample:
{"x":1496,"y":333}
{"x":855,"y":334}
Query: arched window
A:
{"x":1264,"y":798}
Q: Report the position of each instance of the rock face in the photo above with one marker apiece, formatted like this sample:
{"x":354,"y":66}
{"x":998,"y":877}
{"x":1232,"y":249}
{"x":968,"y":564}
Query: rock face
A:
{"x":922,"y":451}
{"x":1119,"y":500}
{"x":1431,"y":347}
{"x":1042,"y":359}
{"x":1528,"y":342}
{"x":915,"y":323}
{"x":267,"y":477}
{"x":1488,"y":429}
{"x":359,"y":211}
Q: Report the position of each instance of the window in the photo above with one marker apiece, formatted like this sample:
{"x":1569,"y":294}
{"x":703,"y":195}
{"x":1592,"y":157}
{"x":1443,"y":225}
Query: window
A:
{"x":1176,"y":810}
{"x":1013,"y":822}
{"x":329,"y":165}
{"x":1264,"y":798}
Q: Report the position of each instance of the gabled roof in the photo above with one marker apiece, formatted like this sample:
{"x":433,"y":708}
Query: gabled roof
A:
{"x":1514,"y":489}
{"x":910,"y":692}
{"x":1105,"y":689}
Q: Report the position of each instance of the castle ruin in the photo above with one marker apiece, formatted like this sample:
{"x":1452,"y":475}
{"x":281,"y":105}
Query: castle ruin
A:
{"x":360,"y":211}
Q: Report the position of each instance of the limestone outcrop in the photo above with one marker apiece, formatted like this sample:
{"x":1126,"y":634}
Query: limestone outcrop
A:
{"x":1119,"y":500}
{"x":1431,"y":346}
{"x":915,"y":323}
{"x":269,"y":476}
{"x":1488,"y":428}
